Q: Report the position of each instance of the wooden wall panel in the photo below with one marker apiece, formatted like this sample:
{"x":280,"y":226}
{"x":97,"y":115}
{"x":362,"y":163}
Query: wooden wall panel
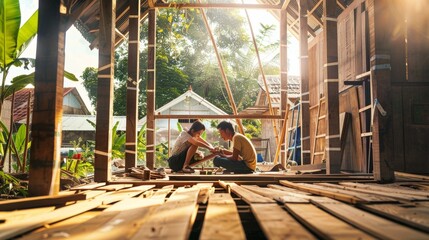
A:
{"x":417,"y":38}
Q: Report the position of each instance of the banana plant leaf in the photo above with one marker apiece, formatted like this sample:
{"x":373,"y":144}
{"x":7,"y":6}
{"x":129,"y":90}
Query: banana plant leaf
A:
{"x":10,"y":20}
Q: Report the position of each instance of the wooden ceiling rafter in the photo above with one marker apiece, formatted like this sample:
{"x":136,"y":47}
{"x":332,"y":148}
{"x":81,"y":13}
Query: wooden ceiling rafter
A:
{"x":79,"y":11}
{"x":219,"y":5}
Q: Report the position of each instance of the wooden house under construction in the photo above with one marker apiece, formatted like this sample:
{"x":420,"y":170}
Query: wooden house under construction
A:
{"x":364,"y":110}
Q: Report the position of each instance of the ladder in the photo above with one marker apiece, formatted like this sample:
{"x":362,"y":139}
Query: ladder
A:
{"x":294,"y":136}
{"x":319,"y":138}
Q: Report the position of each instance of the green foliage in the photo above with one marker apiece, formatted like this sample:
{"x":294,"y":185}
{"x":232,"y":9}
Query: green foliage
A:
{"x":252,"y":127}
{"x":11,"y":186}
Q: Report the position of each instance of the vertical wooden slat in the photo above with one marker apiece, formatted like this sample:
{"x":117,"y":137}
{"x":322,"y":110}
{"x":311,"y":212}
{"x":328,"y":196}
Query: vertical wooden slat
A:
{"x":132,"y":85}
{"x":151,"y":82}
{"x":44,"y":175}
{"x":380,"y":45}
{"x":104,"y":119}
{"x":330,"y":60}
{"x":283,"y":78}
{"x":305,"y":95}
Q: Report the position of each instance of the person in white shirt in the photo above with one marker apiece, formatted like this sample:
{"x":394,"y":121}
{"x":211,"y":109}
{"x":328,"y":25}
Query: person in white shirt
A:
{"x":185,"y":148}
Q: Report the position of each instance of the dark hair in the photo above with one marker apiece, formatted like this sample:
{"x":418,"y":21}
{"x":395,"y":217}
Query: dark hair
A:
{"x":224,"y":125}
{"x":196,"y":126}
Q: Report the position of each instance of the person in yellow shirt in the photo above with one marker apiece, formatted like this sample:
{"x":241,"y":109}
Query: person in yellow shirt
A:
{"x":242,"y":158}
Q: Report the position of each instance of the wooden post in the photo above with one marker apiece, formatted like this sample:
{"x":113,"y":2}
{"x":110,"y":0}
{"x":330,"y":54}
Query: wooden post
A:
{"x":305,"y":92}
{"x":380,"y":47}
{"x":330,"y":73}
{"x":104,"y":119}
{"x":44,"y":177}
{"x":132,"y":85}
{"x":151,"y":81}
{"x":283,"y":80}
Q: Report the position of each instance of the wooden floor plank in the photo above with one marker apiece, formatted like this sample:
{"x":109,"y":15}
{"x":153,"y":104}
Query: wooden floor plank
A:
{"x":125,"y":193}
{"x":89,"y":186}
{"x":10,"y":216}
{"x":369,"y":198}
{"x":322,"y":192}
{"x":412,"y":215}
{"x":42,"y":201}
{"x":278,"y":195}
{"x":324,"y":224}
{"x":205,"y":190}
{"x":287,"y":189}
{"x":9,"y":230}
{"x":398,"y":196}
{"x":114,"y":187}
{"x":173,"y":219}
{"x":277,"y":224}
{"x":383,"y":188}
{"x":375,"y":225}
{"x":221,"y":220}
{"x":248,"y":196}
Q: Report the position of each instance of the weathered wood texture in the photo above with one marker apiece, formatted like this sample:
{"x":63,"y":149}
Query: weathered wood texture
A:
{"x":330,"y":60}
{"x":278,"y":224}
{"x":133,"y":84}
{"x":304,"y":101}
{"x":44,"y":177}
{"x":380,"y":29}
{"x":283,"y":78}
{"x":222,"y":219}
{"x":150,"y":88}
{"x":103,"y":131}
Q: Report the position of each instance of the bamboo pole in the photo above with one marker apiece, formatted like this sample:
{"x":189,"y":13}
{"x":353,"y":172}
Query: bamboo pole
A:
{"x":228,"y":89}
{"x":283,"y":133}
{"x":267,"y":90}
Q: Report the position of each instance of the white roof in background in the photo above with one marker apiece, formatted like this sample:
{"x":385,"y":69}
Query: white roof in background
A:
{"x":80,"y":122}
{"x":188,"y":103}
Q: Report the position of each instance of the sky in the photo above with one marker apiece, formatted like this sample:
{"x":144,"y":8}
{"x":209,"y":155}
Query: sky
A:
{"x":78,"y":55}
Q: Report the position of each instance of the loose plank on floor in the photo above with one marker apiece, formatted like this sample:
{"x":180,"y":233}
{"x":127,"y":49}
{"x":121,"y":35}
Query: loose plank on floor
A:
{"x":6,"y":217}
{"x":278,"y":195}
{"x":277,"y":224}
{"x":125,"y":193}
{"x":368,"y":198}
{"x":42,"y":201}
{"x":9,"y":230}
{"x":173,"y":219}
{"x":222,"y":220}
{"x":377,"y":226}
{"x":114,"y":187}
{"x":287,"y":189}
{"x":399,"y":190}
{"x":413,"y":215}
{"x":311,"y":189}
{"x":89,"y":186}
{"x":248,"y":196}
{"x":324,"y":224}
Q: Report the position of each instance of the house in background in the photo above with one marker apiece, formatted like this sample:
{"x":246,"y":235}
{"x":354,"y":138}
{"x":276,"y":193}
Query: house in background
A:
{"x":266,"y":145}
{"x":189,"y":103}
{"x":72,"y":104}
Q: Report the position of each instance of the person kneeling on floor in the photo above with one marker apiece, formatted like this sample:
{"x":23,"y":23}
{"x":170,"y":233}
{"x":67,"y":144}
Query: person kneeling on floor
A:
{"x":243,"y":157}
{"x":185,"y":152}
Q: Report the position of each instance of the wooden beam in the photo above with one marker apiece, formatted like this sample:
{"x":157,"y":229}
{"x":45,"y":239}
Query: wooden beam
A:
{"x":380,"y":48}
{"x":231,"y":116}
{"x":305,"y":91}
{"x":285,"y":4}
{"x":133,"y":85}
{"x":151,"y":79}
{"x":283,"y":79}
{"x":330,"y":73}
{"x":104,"y":119}
{"x":44,"y":177}
{"x":217,"y":5}
{"x":76,"y":13}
